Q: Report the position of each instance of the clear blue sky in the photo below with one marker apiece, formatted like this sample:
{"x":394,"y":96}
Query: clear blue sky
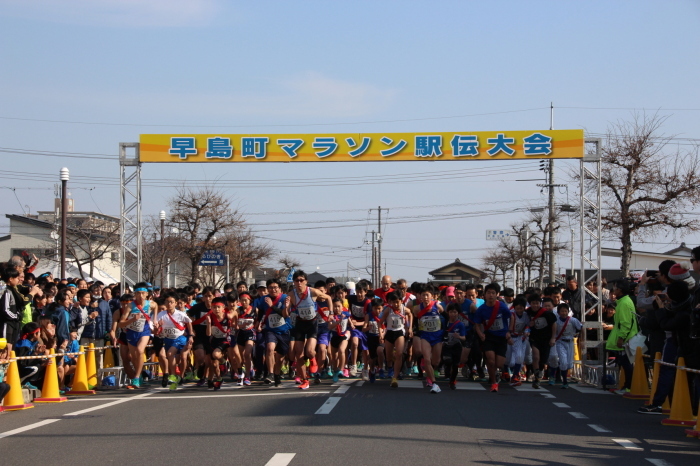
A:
{"x":276,"y":67}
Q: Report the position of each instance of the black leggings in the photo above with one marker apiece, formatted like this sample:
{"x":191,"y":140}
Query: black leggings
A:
{"x":4,"y":390}
{"x":451,"y":356}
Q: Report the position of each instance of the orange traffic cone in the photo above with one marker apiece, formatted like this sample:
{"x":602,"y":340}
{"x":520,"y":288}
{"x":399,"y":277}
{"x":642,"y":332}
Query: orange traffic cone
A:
{"x":14,"y":400}
{"x":49,"y":392}
{"x":620,"y":378}
{"x":91,"y":365}
{"x":654,"y":377}
{"x":640,"y":382}
{"x":694,"y":432}
{"x":681,"y":410}
{"x":80,"y":378}
{"x":666,"y":407}
{"x":108,"y":358}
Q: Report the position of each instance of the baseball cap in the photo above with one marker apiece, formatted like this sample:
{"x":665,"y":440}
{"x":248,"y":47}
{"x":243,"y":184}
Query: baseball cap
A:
{"x":260,"y":284}
{"x":450,"y":291}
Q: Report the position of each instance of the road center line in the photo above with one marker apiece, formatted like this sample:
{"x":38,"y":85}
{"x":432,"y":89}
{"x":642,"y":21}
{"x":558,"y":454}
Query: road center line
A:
{"x":328,"y":406}
{"x":342,"y":389}
{"x":281,"y":459}
{"x":205,"y":397}
{"x":628,"y":444}
{"x":107,"y":405}
{"x":578,"y":415}
{"x":598,"y":428}
{"x":561,"y":405}
{"x":29,"y":427}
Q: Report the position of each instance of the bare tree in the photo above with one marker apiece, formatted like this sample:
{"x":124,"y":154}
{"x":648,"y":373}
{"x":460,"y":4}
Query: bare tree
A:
{"x":647,"y":183}
{"x":157,"y":252}
{"x":91,"y":239}
{"x":497,"y":261}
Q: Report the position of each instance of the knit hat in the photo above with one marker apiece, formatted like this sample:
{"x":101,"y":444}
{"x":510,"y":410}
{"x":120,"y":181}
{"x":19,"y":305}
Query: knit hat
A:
{"x":681,"y":272}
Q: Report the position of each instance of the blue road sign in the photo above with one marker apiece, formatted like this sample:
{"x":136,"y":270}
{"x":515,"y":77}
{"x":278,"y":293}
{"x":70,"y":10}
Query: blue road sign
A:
{"x":213,"y":258}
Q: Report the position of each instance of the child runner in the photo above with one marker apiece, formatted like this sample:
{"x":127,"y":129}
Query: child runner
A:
{"x":118,"y":334}
{"x":520,"y":333}
{"x":172,"y":324}
{"x":375,"y":338}
{"x":200,"y":345}
{"x":245,"y":340}
{"x":219,"y":330}
{"x":398,"y":322}
{"x":359,"y":305}
{"x":430,"y":325}
{"x":466,"y":315}
{"x":305,"y":331}
{"x":493,"y":319}
{"x":338,"y":325}
{"x":567,"y":328}
{"x":138,"y":329}
{"x":542,"y":324}
{"x":455,"y":336}
{"x":273,"y":316}
{"x":324,"y":334}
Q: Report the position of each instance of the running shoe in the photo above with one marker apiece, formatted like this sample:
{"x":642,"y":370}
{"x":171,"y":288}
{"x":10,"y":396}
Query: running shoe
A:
{"x":352,"y":372}
{"x":464,"y":369}
{"x":372,"y":377}
{"x":394,"y":383}
{"x":217,"y":383}
{"x":173,"y":379}
{"x":29,"y":386}
{"x":650,"y":409}
{"x":400,"y":376}
{"x":436,"y":374}
{"x":336,"y":376}
{"x":330,"y":372}
{"x":622,"y":391}
{"x":550,"y":382}
{"x":360,"y":366}
{"x":346,"y":373}
{"x":164,"y":381}
{"x":313,"y":366}
{"x":365,"y":374}
{"x":515,"y":382}
{"x":494,"y":387}
{"x":414,"y":369}
{"x":453,"y":385}
{"x":268,"y":380}
{"x":390,"y":373}
{"x":505,"y":376}
{"x":565,"y":385}
{"x":240,"y":381}
{"x":278,"y":380}
{"x":435,"y":389}
{"x":201,"y":382}
{"x":210,"y":384}
{"x":136,"y":383}
{"x":304,"y":385}
{"x":297,"y":380}
{"x":536,"y":383}
{"x":381,"y":373}
{"x":317,"y":378}
{"x":246,"y":382}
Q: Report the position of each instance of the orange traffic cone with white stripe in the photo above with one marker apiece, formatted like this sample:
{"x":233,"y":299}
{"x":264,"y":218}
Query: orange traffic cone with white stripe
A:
{"x":91,"y":365}
{"x":14,"y":400}
{"x":681,"y":410}
{"x":80,"y":378}
{"x":50,"y":392}
{"x":639,"y":389}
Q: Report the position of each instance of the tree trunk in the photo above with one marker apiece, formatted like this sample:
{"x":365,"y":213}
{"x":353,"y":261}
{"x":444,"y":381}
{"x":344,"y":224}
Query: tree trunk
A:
{"x":626,"y":257}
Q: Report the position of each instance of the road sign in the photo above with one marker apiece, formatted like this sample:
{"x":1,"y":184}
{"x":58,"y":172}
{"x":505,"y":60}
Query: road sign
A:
{"x":496,"y":235}
{"x":213,"y":258}
{"x":290,"y":278}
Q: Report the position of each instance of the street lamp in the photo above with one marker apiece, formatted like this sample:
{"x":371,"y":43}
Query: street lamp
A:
{"x":65,"y":175}
{"x":162,"y":249}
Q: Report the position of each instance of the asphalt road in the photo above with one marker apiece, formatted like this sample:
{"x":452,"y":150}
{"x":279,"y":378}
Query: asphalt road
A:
{"x":347,"y":423}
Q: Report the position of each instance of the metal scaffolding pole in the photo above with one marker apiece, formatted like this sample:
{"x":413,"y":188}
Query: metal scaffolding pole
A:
{"x":130,"y":259}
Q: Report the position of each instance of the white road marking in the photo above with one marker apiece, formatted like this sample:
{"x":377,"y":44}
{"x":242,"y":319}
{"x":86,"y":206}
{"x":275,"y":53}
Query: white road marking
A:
{"x":578,"y":415}
{"x":658,"y":462}
{"x":547,"y":395}
{"x":342,"y":389}
{"x":590,"y":390}
{"x":470,"y":386}
{"x":528,"y":388}
{"x":280,"y":459}
{"x":29,"y":427}
{"x":107,"y":405}
{"x":598,"y":428}
{"x":626,"y":443}
{"x":561,"y":405}
{"x":410,"y":384}
{"x":360,"y":383}
{"x":328,"y":406}
{"x":205,"y":397}
{"x":96,"y":399}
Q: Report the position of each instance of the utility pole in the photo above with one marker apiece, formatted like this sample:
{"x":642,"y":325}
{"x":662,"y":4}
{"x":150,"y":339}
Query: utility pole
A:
{"x":551,"y":202}
{"x":374,"y":258}
{"x":379,"y":241}
{"x":65,"y":175}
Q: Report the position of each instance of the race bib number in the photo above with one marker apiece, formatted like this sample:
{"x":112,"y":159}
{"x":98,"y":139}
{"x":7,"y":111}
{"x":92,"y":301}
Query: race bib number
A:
{"x":343,"y":325}
{"x":275,"y":320}
{"x":497,"y":324}
{"x":540,"y":323}
{"x":430,"y":323}
{"x":452,"y":339}
{"x":519,"y":326}
{"x":293,"y":318}
{"x":307,"y":313}
{"x":358,"y":311}
{"x":138,"y":325}
{"x":395,"y":322}
{"x":171,"y":333}
{"x":465,"y":321}
{"x":321,"y":315}
{"x":373,"y":327}
{"x":217,"y":333}
{"x":245,"y":324}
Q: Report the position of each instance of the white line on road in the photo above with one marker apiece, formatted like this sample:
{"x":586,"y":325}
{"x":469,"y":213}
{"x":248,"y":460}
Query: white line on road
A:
{"x":328,"y":406}
{"x":578,"y":415}
{"x":561,"y":405}
{"x":626,"y":443}
{"x":342,"y":389}
{"x":526,"y":388}
{"x":470,"y":386}
{"x":598,"y":428}
{"x":205,"y":397}
{"x":658,"y":462}
{"x":360,"y":383}
{"x":280,"y":459}
{"x":29,"y":427}
{"x":107,"y":405}
{"x":590,"y":390}
{"x":547,"y":395}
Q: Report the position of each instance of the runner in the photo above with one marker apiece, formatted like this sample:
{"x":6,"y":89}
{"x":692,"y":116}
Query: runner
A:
{"x":219,"y":330}
{"x":374,"y":328}
{"x":138,"y":328}
{"x":118,"y":335}
{"x":324,"y":335}
{"x":456,"y":335}
{"x":399,"y":323}
{"x":466,"y":315}
{"x":567,"y":328}
{"x":305,"y":331}
{"x":430,"y":327}
{"x":542,"y":324}
{"x":520,"y":333}
{"x":245,"y":340}
{"x":172,"y":324}
{"x":338,"y":325}
{"x":385,"y":289}
{"x":359,"y":305}
{"x":493,"y":319}
{"x":199,"y":312}
{"x":273,"y":316}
